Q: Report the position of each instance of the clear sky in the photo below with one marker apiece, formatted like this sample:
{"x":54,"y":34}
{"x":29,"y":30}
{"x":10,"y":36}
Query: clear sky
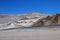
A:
{"x":24,"y":6}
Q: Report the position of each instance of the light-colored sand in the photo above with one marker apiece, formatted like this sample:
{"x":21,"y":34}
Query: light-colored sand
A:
{"x":30,"y":35}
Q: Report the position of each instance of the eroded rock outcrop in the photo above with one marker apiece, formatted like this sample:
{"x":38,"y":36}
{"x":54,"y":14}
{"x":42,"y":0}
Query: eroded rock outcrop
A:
{"x":54,"y":20}
{"x":49,"y":20}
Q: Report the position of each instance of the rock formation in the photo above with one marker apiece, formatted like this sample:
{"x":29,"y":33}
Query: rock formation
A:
{"x":29,"y":20}
{"x":49,"y":20}
{"x":54,"y":20}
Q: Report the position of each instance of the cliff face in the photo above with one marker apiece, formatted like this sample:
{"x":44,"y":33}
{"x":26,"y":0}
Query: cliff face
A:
{"x":49,"y":20}
{"x":53,"y":20}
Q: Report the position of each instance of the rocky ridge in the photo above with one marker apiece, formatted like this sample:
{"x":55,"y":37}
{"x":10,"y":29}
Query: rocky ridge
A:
{"x":28,"y":20}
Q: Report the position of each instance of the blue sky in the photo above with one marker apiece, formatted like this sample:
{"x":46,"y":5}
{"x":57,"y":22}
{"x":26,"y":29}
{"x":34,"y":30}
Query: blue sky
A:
{"x":24,"y":6}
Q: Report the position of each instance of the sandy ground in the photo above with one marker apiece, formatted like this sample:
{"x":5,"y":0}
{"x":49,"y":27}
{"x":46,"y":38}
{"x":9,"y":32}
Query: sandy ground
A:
{"x":30,"y":35}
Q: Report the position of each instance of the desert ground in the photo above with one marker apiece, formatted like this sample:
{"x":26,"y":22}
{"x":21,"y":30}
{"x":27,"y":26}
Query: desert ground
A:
{"x":31,"y":34}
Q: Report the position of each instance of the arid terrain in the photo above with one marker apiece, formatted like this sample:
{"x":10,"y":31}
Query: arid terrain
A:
{"x":31,"y":26}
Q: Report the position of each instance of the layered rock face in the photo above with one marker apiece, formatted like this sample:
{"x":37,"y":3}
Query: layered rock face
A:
{"x":54,"y":20}
{"x":49,"y":20}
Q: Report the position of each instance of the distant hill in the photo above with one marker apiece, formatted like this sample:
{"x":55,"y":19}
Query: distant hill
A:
{"x":32,"y":19}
